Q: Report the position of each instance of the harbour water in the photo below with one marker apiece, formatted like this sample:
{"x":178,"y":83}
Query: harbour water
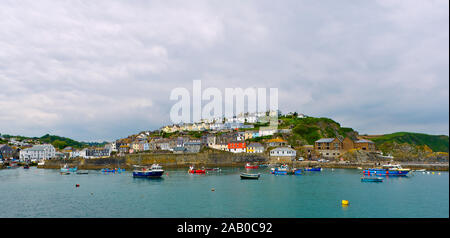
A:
{"x":45,"y":193}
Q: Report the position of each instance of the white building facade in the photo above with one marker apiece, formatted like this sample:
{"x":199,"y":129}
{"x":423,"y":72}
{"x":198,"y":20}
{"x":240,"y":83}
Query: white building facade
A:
{"x":38,"y":152}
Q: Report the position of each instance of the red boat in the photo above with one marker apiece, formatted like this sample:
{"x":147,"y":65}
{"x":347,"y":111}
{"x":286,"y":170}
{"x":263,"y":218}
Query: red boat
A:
{"x":196,"y":171}
{"x":249,"y":166}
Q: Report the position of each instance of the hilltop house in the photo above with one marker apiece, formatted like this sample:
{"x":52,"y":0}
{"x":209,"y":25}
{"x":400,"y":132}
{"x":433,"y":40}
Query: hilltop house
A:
{"x":276,"y":142}
{"x":255,"y":148}
{"x":267,"y":131}
{"x":237,"y":147}
{"x":220,"y":146}
{"x":193,"y":146}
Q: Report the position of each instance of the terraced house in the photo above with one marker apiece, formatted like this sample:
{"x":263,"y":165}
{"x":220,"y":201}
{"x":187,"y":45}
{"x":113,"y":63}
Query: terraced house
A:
{"x":38,"y":152}
{"x":366,"y":145}
{"x":6,"y":152}
{"x":333,"y":147}
{"x":255,"y":148}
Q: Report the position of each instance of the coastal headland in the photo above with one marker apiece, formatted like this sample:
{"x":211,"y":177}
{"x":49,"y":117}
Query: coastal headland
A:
{"x":220,"y":159}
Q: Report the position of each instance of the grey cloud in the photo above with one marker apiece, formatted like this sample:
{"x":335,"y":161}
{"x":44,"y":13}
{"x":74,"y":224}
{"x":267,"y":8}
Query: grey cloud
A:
{"x":94,"y":70}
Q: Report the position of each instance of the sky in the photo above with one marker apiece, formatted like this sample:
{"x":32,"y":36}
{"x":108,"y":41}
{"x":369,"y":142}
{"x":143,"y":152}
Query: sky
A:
{"x":103,"y":70}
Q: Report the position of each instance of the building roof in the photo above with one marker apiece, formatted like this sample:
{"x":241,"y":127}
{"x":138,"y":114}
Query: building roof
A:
{"x":364,"y":141}
{"x":276,"y":140}
{"x":325,"y":140}
{"x":283,"y":149}
{"x":255,"y":144}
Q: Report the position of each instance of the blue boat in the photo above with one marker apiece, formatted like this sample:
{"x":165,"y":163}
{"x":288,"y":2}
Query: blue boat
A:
{"x":284,"y":170}
{"x":297,"y":172}
{"x":67,"y":169}
{"x":387,"y":170}
{"x":313,"y":169}
{"x":155,"y":171}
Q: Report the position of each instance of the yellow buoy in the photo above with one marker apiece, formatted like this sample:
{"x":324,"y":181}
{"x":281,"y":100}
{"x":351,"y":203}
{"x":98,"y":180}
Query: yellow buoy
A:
{"x":432,"y":172}
{"x":344,"y":202}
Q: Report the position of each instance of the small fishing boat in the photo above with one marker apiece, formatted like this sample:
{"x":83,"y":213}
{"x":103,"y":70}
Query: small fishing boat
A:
{"x":66,"y":169}
{"x":26,"y":166}
{"x":249,"y":176}
{"x":192,"y":170}
{"x":250,"y":166}
{"x":214,"y":169}
{"x":82,"y":172}
{"x":387,"y":170}
{"x":313,"y":169}
{"x":371,"y":179}
{"x":297,"y":171}
{"x":155,"y":171}
{"x":282,"y":170}
{"x":421,"y":170}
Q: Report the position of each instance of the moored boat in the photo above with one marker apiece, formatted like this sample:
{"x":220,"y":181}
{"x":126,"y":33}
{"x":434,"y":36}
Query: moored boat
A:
{"x":26,"y":166}
{"x":67,"y":169}
{"x":371,"y":179}
{"x":82,"y":172}
{"x":313,"y":169}
{"x":192,"y":170}
{"x":282,"y":170}
{"x":297,"y":171}
{"x":387,"y":170}
{"x":249,"y":176}
{"x":250,"y":166}
{"x":155,"y":171}
{"x":214,"y":169}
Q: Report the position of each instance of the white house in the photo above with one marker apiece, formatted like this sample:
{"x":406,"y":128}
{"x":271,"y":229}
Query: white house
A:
{"x":267,"y":131}
{"x":283,"y":152}
{"x":38,"y":152}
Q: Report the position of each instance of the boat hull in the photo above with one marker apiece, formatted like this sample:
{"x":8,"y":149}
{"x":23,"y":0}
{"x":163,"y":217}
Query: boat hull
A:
{"x":250,"y":176}
{"x":252,"y":167}
{"x":371,"y":179}
{"x":68,"y":170}
{"x":197,"y":171}
{"x":385,"y":172}
{"x":147,"y":174}
{"x":313,"y":169}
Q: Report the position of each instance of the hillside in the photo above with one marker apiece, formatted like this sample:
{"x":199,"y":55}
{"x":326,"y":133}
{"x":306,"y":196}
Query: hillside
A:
{"x":308,"y":130}
{"x":57,"y":141}
{"x":438,"y":143}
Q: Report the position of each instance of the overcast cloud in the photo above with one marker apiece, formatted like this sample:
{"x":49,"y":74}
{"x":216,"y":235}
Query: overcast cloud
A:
{"x":102,"y":70}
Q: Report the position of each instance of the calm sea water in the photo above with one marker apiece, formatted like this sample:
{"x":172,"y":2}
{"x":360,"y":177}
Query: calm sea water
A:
{"x":46,"y":193}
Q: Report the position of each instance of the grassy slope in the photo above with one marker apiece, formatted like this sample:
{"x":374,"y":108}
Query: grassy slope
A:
{"x":435,"y":142}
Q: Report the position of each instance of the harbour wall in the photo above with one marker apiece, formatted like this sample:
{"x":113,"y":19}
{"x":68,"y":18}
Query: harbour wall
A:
{"x":217,"y":159}
{"x":220,"y":159}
